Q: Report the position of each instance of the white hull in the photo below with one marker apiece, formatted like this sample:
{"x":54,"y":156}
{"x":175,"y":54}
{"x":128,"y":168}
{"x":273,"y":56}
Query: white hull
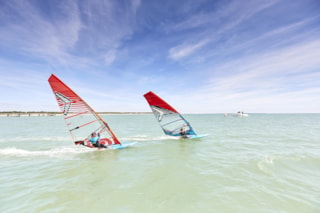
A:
{"x":240,"y":115}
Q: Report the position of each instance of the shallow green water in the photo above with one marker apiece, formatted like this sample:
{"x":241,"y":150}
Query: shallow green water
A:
{"x":260,"y":163}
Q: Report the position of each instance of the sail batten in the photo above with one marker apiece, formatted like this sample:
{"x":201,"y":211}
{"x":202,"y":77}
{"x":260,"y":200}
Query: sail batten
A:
{"x":80,"y":118}
{"x":84,"y":125}
{"x":170,"y":120}
{"x":80,"y":113}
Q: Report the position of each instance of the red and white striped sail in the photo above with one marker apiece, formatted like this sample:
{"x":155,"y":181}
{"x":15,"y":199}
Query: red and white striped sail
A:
{"x":170,"y":120}
{"x":80,"y":118}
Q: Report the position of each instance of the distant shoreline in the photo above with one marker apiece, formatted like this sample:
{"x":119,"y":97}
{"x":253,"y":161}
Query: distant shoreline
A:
{"x":52,"y":113}
{"x":45,"y":113}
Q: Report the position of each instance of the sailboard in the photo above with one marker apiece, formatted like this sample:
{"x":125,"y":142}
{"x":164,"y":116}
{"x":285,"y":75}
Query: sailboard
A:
{"x":170,"y":120}
{"x":81,"y":119}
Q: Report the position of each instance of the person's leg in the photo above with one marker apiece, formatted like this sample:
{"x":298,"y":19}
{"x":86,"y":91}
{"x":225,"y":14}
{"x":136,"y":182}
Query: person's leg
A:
{"x":101,"y":145}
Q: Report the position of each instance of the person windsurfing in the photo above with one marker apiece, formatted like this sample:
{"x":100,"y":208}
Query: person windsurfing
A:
{"x":95,"y":140}
{"x":183,"y":132}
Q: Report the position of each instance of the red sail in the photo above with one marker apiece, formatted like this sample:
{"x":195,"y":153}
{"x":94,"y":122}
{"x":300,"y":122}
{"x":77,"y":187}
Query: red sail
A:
{"x":80,"y":118}
{"x":155,"y":100}
{"x":170,"y":120}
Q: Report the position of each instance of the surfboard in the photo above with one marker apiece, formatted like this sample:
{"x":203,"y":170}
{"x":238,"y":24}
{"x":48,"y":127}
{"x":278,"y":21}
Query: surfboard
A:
{"x":122,"y":145}
{"x":196,"y":136}
{"x":113,"y":146}
{"x":81,"y":120}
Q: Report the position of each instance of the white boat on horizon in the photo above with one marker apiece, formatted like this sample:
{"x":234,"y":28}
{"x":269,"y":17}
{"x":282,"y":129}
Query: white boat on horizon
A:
{"x":240,"y":114}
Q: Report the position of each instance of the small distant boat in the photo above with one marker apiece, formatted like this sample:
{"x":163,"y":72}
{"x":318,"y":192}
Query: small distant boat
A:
{"x":170,"y":120}
{"x":240,"y":114}
{"x":81,"y":119}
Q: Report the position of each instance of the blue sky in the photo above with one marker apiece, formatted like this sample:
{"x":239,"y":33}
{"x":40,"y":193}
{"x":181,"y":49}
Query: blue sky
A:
{"x":201,"y":56}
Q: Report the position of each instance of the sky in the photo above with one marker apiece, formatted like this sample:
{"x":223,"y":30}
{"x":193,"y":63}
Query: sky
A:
{"x":201,"y":56}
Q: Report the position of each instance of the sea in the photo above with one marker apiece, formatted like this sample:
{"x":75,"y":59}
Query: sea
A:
{"x":260,"y":163}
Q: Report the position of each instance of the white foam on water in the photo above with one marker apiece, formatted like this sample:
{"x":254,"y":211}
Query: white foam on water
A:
{"x":270,"y":161}
{"x":12,"y":151}
{"x":148,"y":138}
{"x":35,"y":138}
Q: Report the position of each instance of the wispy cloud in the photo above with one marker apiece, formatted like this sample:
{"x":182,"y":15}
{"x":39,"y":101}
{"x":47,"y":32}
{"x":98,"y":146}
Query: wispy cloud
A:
{"x":230,"y":14}
{"x":184,"y":50}
{"x":209,"y":26}
{"x":34,"y":33}
{"x":221,"y":55}
{"x":283,"y":75}
{"x":76,"y":36}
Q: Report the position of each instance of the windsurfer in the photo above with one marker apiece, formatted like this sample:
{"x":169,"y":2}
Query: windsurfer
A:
{"x":95,"y":140}
{"x":183,"y":132}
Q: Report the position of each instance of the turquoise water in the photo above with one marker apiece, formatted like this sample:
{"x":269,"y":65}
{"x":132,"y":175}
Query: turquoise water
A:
{"x":260,"y":163}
